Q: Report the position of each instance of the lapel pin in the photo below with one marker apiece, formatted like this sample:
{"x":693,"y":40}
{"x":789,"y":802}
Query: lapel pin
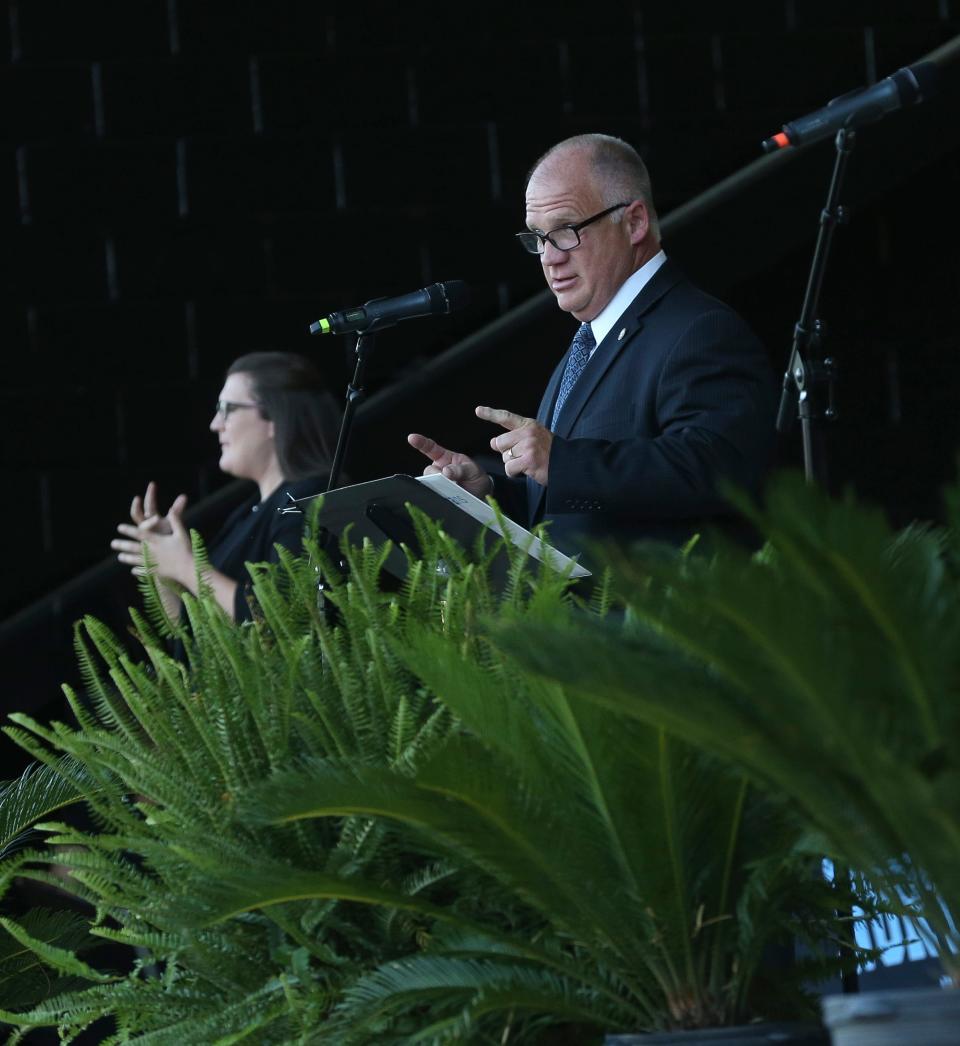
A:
{"x":622,"y":334}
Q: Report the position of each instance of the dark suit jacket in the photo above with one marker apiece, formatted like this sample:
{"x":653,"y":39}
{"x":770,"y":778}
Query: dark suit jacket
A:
{"x":679,"y":394}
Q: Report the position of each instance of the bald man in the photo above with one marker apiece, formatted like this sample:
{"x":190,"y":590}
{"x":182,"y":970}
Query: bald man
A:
{"x":663,"y":391}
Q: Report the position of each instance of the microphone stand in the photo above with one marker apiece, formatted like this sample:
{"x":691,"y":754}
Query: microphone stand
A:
{"x":807,"y":374}
{"x":355,"y":393}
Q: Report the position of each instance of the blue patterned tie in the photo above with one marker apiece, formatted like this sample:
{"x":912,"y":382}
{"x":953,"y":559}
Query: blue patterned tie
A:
{"x":583,"y":344}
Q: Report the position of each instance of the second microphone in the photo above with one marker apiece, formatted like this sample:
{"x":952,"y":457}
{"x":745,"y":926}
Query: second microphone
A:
{"x":435,"y":300}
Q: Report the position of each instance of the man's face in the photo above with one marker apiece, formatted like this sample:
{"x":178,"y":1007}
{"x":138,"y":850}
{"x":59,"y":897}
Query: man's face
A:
{"x":584,"y":280}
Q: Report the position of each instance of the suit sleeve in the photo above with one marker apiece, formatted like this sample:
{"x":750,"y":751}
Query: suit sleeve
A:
{"x":511,"y":495}
{"x":711,"y":417}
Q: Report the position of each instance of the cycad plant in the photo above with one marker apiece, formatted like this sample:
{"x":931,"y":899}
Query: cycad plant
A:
{"x":25,"y":978}
{"x":826,"y":667}
{"x":362,"y":822}
{"x":656,"y":882}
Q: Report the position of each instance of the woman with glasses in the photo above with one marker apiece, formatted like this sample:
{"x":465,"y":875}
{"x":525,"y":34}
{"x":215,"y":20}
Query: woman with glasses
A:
{"x":277,"y":425}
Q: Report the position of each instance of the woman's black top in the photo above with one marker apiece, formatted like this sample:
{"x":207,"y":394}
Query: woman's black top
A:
{"x":251,"y":531}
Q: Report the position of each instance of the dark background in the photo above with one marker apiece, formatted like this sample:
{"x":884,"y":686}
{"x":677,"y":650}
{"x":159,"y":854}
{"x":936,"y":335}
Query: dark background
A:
{"x":185,"y":181}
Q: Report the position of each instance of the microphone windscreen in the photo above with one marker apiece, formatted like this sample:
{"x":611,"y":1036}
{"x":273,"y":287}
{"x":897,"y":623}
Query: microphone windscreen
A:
{"x":915,"y":83}
{"x":457,"y":295}
{"x":926,"y":74}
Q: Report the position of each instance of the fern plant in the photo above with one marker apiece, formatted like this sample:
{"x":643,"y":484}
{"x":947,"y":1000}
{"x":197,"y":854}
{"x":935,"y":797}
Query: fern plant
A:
{"x":827,"y":668}
{"x":166,"y":745}
{"x":245,"y":930}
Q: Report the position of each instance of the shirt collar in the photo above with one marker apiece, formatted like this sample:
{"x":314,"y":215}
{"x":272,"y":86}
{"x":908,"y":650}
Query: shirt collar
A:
{"x":635,"y":282}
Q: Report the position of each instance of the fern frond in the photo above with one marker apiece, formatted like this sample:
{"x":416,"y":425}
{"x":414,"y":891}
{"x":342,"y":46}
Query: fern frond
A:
{"x":62,"y":959}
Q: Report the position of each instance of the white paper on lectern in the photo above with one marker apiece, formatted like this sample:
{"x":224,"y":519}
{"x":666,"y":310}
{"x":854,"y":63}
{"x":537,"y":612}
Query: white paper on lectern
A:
{"x":484,"y":514}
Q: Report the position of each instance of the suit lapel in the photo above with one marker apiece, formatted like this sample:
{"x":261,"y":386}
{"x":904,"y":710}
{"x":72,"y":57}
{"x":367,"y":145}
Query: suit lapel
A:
{"x":627,"y":327}
{"x":550,"y":395}
{"x":607,"y":351}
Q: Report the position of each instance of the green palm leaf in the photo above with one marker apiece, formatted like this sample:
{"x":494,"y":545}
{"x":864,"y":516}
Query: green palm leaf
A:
{"x":827,"y":667}
{"x":38,"y":792}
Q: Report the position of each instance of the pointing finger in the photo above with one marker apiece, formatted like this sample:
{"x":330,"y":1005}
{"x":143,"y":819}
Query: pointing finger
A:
{"x":504,"y":418}
{"x":427,"y":446}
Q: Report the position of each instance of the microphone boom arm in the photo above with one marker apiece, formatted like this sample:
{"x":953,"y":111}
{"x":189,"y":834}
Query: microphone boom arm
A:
{"x":805,"y":376}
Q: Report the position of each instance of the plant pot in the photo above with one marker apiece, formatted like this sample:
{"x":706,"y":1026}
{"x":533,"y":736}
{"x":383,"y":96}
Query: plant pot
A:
{"x":930,"y":1016}
{"x":760,"y":1034}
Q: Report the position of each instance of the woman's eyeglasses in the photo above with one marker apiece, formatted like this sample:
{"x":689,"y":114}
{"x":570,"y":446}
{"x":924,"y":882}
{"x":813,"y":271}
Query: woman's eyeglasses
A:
{"x":226,"y":407}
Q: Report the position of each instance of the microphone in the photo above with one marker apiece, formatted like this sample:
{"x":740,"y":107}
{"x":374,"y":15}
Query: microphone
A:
{"x":906,"y":87}
{"x":435,"y":300}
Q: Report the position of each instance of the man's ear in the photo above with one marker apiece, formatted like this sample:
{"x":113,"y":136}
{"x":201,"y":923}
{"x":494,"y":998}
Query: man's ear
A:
{"x":637,"y":219}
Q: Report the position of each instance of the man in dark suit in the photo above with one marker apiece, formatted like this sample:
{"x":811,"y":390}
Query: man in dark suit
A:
{"x":663,"y":391}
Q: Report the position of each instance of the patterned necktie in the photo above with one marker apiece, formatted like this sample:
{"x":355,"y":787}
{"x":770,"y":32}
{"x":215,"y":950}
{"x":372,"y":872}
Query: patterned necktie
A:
{"x":583,"y":344}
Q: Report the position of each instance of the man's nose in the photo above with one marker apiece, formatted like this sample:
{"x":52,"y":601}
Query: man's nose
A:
{"x":552,"y":255}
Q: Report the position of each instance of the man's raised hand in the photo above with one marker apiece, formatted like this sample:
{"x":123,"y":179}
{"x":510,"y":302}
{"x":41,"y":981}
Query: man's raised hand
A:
{"x":524,"y":447}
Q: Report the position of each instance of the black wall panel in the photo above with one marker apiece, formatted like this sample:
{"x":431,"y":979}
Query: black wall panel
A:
{"x":108,"y":344}
{"x":51,"y":30}
{"x":301,"y":91}
{"x":52,"y":264}
{"x":47,"y":101}
{"x":778,"y":72}
{"x":184,"y":181}
{"x":172,"y":97}
{"x":109,"y":181}
{"x":250,"y":175}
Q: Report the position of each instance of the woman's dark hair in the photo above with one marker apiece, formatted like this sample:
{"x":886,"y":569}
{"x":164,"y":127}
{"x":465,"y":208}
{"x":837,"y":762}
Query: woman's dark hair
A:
{"x":291,"y":394}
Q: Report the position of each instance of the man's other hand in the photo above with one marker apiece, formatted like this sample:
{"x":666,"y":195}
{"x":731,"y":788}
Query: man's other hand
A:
{"x":457,"y":467}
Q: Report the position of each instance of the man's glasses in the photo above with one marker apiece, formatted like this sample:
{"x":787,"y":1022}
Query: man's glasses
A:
{"x":226,"y":407}
{"x":565,"y":237}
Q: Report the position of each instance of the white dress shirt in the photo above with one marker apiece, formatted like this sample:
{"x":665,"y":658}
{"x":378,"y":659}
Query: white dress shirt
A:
{"x":635,"y":282}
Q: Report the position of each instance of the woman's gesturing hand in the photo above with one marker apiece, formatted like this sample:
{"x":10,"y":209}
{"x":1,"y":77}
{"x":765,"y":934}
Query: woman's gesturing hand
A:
{"x":161,"y":540}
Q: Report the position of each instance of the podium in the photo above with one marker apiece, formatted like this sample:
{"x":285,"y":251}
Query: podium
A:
{"x":378,"y":510}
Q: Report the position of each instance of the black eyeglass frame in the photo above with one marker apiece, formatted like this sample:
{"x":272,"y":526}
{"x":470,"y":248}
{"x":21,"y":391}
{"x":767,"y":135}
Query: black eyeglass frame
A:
{"x":543,"y":237}
{"x":227,"y":407}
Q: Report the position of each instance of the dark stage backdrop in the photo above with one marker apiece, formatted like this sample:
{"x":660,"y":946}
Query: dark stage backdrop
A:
{"x":185,"y":181}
